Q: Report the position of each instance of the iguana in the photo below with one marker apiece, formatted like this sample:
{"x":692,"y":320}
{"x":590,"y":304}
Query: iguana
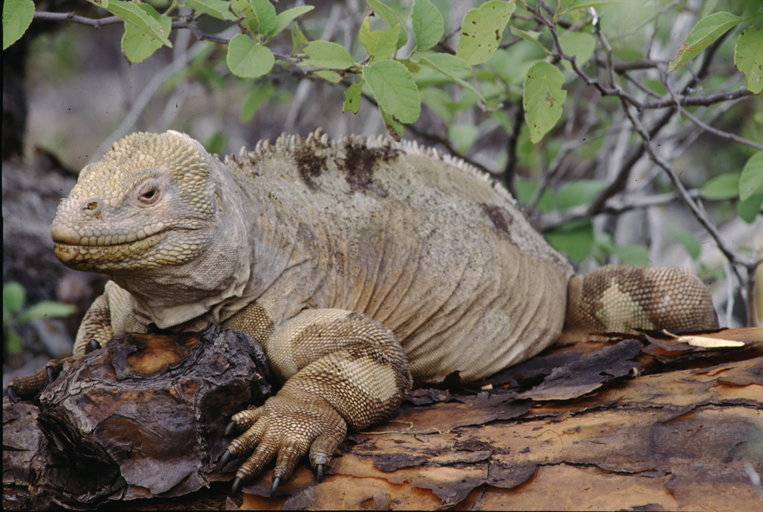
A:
{"x":361,"y":266}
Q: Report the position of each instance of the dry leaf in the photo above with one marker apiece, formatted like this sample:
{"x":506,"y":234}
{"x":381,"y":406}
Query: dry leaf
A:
{"x":707,"y":342}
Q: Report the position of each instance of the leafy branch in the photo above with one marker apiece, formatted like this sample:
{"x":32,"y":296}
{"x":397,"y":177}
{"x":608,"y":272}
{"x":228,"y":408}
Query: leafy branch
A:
{"x":531,"y":74}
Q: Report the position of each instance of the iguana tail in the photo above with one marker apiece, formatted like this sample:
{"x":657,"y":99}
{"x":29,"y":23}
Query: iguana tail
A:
{"x":623,"y":298}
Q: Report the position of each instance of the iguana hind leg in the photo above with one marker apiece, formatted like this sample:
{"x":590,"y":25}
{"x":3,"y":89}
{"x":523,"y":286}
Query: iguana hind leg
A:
{"x":623,"y":298}
{"x":342,"y":370}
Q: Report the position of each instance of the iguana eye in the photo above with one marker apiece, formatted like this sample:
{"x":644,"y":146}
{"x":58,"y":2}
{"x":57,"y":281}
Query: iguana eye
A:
{"x":148,"y":194}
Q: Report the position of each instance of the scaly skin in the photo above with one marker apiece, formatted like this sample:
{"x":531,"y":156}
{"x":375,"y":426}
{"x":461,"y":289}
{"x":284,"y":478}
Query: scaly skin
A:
{"x":361,"y":266}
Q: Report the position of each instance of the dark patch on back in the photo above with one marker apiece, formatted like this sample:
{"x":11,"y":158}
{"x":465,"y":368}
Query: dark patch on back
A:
{"x":500,"y":218}
{"x":359,"y":163}
{"x":310,"y":167}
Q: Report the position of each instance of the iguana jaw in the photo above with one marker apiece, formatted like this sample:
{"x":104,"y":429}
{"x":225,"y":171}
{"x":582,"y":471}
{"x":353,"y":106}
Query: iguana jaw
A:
{"x":65,"y":235}
{"x":107,"y":257}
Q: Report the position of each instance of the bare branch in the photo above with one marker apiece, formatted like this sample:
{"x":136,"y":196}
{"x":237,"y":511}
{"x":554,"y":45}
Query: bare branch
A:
{"x":82,"y":20}
{"x":734,"y":258}
{"x":550,"y":220}
{"x":511,"y":148}
{"x":695,"y":101}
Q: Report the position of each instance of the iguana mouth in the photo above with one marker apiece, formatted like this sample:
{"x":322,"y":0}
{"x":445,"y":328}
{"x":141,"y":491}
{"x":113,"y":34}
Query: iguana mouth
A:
{"x":85,"y":255}
{"x":64,"y":235}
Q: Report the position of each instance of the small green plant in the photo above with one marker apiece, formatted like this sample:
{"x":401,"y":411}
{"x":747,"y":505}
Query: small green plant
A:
{"x":14,"y":297}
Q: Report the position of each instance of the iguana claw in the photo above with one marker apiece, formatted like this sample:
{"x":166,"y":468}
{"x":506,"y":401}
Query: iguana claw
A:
{"x":319,"y":472}
{"x":12,"y":394}
{"x":236,"y":486}
{"x":91,"y":346}
{"x":230,"y":429}
{"x":51,"y":373}
{"x":223,"y":460}
{"x":274,"y":489}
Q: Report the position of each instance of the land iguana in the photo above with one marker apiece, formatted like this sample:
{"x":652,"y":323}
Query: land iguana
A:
{"x":361,"y":266}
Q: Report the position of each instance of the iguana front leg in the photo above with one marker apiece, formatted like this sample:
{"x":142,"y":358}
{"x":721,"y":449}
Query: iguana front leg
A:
{"x":342,"y":370}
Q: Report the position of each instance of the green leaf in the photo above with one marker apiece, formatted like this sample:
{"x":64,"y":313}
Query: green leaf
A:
{"x":578,"y":44}
{"x":136,"y":44}
{"x":436,"y":99}
{"x":254,"y":100}
{"x":298,"y":38}
{"x":530,"y":36}
{"x":391,"y":19}
{"x":394,"y":128}
{"x":13,"y":342}
{"x":352,"y":97}
{"x":578,"y":192}
{"x":17,"y":16}
{"x":526,"y":190}
{"x":47,"y":309}
{"x":215,"y":144}
{"x":481,"y":31}
{"x":330,"y":76}
{"x":244,"y":8}
{"x":632,"y":254}
{"x":247,"y":59}
{"x":688,"y":241}
{"x":394,"y":89}
{"x":707,"y":30}
{"x":463,"y":136}
{"x":378,"y":43}
{"x":748,"y":57}
{"x":215,"y":8}
{"x":750,"y":207}
{"x":543,"y":99}
{"x":427,"y":23}
{"x":412,"y":66}
{"x":725,"y":186}
{"x":453,"y":67}
{"x":139,"y":18}
{"x":14,"y":297}
{"x":751,"y":180}
{"x":575,"y":239}
{"x":266,"y":16}
{"x":322,"y":54}
{"x":286,"y":17}
{"x":583,"y":4}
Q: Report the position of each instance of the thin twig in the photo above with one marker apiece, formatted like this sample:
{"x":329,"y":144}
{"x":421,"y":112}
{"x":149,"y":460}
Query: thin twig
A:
{"x":550,"y":220}
{"x":734,"y":258}
{"x":697,"y":101}
{"x":511,"y":149}
{"x":82,"y":20}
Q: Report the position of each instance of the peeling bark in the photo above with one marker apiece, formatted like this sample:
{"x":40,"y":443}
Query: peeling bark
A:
{"x":143,"y":417}
{"x":574,"y":428}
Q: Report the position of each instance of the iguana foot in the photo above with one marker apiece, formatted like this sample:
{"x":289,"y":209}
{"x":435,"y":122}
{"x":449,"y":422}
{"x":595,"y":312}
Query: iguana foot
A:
{"x":286,"y":427}
{"x":32,"y":385}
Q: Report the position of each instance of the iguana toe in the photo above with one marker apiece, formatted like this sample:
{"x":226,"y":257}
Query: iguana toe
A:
{"x":31,"y":385}
{"x":286,"y":428}
{"x":223,"y":460}
{"x":236,"y":485}
{"x":92,"y":345}
{"x":274,"y":488}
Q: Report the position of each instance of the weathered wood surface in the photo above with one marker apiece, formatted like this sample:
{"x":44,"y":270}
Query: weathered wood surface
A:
{"x":591,"y":426}
{"x":686,"y":438}
{"x":143,"y":417}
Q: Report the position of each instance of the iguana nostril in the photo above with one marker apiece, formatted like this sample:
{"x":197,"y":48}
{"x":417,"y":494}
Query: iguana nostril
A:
{"x":91,"y":207}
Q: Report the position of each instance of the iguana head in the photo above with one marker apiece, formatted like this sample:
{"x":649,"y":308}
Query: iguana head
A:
{"x":149,"y":202}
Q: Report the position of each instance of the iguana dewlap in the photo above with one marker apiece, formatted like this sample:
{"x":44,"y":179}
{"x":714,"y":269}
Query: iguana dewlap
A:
{"x":360,"y":266}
